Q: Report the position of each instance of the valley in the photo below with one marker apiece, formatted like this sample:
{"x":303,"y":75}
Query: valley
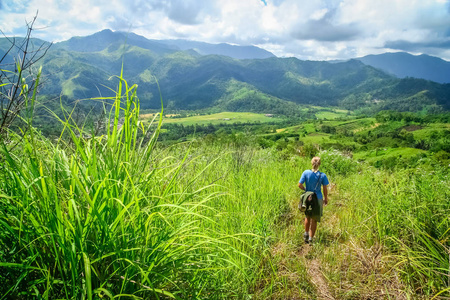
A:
{"x":146,"y":171}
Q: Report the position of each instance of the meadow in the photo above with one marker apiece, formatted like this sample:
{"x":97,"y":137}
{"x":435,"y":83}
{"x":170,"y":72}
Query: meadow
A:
{"x":122,"y":215}
{"x":221,"y":118}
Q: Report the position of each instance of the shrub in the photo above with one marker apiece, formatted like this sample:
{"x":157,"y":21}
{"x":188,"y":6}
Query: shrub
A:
{"x":335,"y":163}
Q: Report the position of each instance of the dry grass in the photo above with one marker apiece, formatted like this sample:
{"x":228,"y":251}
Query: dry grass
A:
{"x":363,"y":272}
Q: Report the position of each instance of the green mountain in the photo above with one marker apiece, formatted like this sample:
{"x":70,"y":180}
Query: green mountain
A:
{"x":404,"y":65}
{"x":233,"y":51}
{"x":84,"y":67}
{"x":11,"y":48}
{"x":105,"y":38}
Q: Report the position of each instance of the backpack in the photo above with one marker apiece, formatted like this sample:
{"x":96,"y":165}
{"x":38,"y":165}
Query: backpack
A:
{"x":309,"y":203}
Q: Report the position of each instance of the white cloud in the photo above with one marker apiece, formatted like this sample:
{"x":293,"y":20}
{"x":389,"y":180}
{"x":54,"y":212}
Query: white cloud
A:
{"x":322,"y":29}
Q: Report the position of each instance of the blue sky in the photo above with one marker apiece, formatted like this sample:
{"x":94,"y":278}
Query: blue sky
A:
{"x":306,"y":29}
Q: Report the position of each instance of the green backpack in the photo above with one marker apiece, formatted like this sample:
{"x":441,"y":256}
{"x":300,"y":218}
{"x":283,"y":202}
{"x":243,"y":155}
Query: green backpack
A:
{"x":309,"y":203}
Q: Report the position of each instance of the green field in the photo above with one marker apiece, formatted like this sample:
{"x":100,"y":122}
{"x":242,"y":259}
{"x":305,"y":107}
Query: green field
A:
{"x":224,"y":118}
{"x":329,"y":113}
{"x":244,"y":117}
{"x":316,"y":138}
{"x":357,"y":125}
{"x":430,"y":130}
{"x":354,"y":125}
{"x":387,"y":153}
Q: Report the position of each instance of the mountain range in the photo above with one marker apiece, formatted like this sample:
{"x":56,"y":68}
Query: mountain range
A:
{"x":403,"y":65}
{"x":195,"y":75}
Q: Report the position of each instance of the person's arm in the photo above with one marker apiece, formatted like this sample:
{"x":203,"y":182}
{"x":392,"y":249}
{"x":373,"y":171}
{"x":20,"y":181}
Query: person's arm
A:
{"x":301,"y":186}
{"x":325,"y":195}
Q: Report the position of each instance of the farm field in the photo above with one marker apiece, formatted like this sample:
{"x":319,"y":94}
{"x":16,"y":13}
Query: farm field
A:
{"x":223,"y":118}
{"x":332,"y":114}
{"x":245,"y":117}
{"x":430,"y":130}
{"x":388,"y":153}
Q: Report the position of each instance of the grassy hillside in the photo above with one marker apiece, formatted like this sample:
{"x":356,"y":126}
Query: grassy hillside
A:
{"x":120,"y":214}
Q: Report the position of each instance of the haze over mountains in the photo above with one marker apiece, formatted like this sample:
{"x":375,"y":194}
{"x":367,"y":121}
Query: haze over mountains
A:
{"x":101,"y":40}
{"x":403,"y":65}
{"x":195,"y":75}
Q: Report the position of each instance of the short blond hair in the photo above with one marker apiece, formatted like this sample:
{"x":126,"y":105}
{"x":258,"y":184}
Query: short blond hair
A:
{"x":315,"y":162}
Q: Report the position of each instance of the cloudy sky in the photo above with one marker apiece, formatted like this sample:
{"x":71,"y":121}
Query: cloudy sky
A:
{"x":307,"y":29}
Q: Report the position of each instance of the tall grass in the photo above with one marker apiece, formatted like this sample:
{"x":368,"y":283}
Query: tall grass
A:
{"x":120,"y":216}
{"x":107,"y":217}
{"x":407,"y":212}
{"x":259,"y":185}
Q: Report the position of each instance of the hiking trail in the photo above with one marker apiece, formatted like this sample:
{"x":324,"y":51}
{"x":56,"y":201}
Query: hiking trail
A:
{"x":336,"y":266}
{"x":299,"y":269}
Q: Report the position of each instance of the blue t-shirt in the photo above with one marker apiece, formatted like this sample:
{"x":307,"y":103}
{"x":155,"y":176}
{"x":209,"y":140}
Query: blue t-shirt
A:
{"x":311,"y":179}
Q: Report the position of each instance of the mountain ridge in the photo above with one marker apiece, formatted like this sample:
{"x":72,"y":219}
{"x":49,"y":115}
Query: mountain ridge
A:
{"x":100,"y":40}
{"x":190,"y":80}
{"x":234,"y":51}
{"x":399,"y":64}
{"x":402,"y":64}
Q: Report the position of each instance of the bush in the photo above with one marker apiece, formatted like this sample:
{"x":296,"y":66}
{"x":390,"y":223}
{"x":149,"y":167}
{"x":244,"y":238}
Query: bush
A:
{"x":309,"y":150}
{"x":335,"y":163}
{"x":442,"y":156}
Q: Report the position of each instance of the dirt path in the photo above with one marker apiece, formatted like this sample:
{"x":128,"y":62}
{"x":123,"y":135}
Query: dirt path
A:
{"x":316,"y":277}
{"x":299,"y":273}
{"x":319,"y":280}
{"x":363,"y":270}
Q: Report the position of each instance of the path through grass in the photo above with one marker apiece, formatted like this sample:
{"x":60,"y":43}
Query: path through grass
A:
{"x":336,"y":266}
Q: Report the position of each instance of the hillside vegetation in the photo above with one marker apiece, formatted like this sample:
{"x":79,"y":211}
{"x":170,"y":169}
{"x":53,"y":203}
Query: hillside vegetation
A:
{"x":81,"y":68}
{"x":102,"y":200}
{"x":119,"y":214}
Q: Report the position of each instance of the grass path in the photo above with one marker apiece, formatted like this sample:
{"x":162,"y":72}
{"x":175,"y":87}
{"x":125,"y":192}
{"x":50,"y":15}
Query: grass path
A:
{"x":336,"y":266}
{"x":319,"y":281}
{"x":298,"y":273}
{"x":310,"y":255}
{"x":312,"y":262}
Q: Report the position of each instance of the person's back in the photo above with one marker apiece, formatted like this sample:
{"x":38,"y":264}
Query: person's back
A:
{"x":313,"y":180}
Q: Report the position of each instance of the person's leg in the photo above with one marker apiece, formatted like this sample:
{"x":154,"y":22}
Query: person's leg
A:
{"x":315,"y":219}
{"x":307,"y":223}
{"x":307,"y":227}
{"x":312,"y":228}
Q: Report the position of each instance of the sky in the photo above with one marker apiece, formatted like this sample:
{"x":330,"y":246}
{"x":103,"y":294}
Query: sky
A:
{"x":306,"y":29}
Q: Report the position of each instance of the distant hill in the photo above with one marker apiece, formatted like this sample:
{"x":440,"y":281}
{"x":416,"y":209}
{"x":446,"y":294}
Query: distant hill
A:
{"x":239,"y":52}
{"x":5,"y":46}
{"x":403,"y":65}
{"x":84,"y":67}
{"x":103,"y":39}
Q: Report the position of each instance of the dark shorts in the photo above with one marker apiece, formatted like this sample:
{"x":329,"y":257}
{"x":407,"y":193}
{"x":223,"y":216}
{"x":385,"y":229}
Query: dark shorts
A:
{"x":318,"y":216}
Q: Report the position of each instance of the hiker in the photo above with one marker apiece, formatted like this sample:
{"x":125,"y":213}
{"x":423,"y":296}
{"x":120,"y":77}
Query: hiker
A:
{"x":314,"y":180}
